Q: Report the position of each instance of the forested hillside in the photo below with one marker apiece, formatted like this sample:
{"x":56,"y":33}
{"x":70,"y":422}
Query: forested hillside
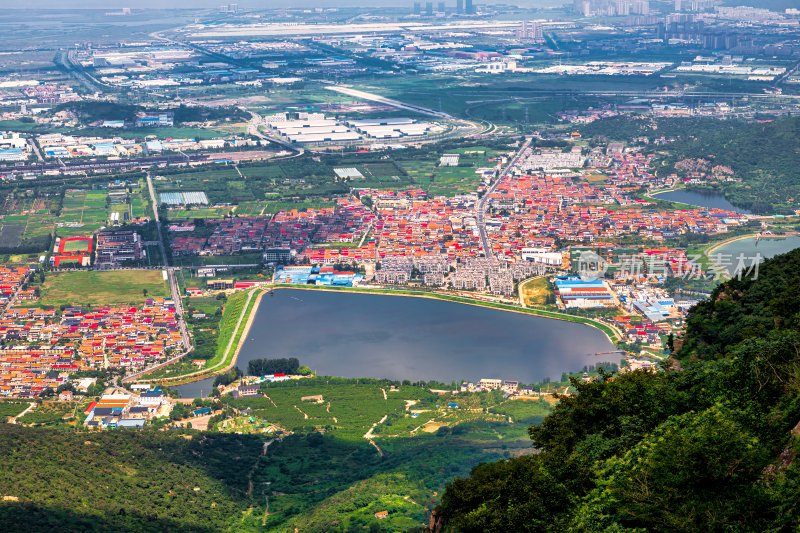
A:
{"x":710,"y":444}
{"x":54,"y":480}
{"x":763,"y":155}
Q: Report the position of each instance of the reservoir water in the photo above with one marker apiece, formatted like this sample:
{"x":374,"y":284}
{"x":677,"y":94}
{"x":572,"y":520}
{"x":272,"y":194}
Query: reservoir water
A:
{"x":361,"y":335}
{"x":752,"y":249}
{"x":700,"y":199}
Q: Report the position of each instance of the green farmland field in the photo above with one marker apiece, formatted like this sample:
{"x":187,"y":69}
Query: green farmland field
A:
{"x":91,"y":288}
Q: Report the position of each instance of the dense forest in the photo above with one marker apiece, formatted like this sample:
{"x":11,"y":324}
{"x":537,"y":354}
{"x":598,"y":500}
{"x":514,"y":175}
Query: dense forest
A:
{"x":710,"y":444}
{"x":763,"y":155}
{"x":125,"y":481}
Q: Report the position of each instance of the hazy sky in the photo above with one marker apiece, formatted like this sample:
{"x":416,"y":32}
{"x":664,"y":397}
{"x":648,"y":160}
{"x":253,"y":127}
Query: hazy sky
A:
{"x":113,"y":4}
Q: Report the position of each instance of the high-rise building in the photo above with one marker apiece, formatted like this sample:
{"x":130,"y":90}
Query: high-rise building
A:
{"x":678,"y":5}
{"x":530,"y":31}
{"x":623,"y":8}
{"x":469,"y":7}
{"x":429,"y":9}
{"x":640,"y":7}
{"x":459,"y":6}
{"x":441,"y":7}
{"x":417,"y":8}
{"x":586,"y":8}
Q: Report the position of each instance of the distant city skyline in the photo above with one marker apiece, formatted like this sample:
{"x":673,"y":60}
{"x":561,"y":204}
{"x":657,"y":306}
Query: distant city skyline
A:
{"x":205,"y":4}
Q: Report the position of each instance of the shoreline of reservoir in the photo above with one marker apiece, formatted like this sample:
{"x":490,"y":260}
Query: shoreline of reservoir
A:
{"x":763,"y":246}
{"x":697,"y":199}
{"x":716,"y":246}
{"x":229,"y":359}
{"x":465,"y":325}
{"x":609,"y":331}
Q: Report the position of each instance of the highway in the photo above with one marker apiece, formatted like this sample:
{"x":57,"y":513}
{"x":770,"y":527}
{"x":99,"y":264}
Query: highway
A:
{"x":480,"y":208}
{"x":788,"y":74}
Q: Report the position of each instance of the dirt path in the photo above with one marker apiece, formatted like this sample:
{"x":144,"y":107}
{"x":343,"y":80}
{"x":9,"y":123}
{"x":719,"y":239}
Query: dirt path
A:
{"x":369,"y":435}
{"x":305,"y":416}
{"x":380,"y":452}
{"x":264,"y":449}
{"x":384,"y":394}
{"x":31,"y":407}
{"x":270,"y":400}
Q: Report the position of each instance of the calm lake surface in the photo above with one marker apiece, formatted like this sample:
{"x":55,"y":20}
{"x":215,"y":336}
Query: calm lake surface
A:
{"x":359,"y":335}
{"x":766,"y":248}
{"x":707,"y":200}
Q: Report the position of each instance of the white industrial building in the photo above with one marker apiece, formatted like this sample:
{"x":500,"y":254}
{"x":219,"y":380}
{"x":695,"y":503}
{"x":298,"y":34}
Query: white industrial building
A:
{"x":542,"y":256}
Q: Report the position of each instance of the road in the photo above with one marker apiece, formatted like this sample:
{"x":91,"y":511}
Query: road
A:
{"x":66,"y":60}
{"x":388,"y":101}
{"x":13,"y":300}
{"x":208,"y":372}
{"x":253,"y":129}
{"x":100,"y":165}
{"x":154,"y":203}
{"x":173,"y":282}
{"x":480,"y":208}
{"x":689,"y":93}
{"x":788,"y":74}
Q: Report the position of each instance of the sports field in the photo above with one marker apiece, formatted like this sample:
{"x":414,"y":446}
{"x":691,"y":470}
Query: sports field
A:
{"x":76,"y":244}
{"x":102,"y":288}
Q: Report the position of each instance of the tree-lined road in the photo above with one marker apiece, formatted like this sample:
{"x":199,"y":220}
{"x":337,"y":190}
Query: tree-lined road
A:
{"x":480,"y":208}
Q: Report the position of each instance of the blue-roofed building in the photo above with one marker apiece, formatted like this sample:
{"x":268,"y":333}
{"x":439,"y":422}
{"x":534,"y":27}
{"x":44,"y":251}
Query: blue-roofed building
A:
{"x":165,"y":119}
{"x":575,"y":292}
{"x":13,"y":154}
{"x":654,"y":311}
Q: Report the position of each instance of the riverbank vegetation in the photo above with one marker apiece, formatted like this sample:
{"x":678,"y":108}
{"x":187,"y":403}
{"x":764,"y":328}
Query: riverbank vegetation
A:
{"x":708,"y":444}
{"x":283,"y":365}
{"x":231,"y":323}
